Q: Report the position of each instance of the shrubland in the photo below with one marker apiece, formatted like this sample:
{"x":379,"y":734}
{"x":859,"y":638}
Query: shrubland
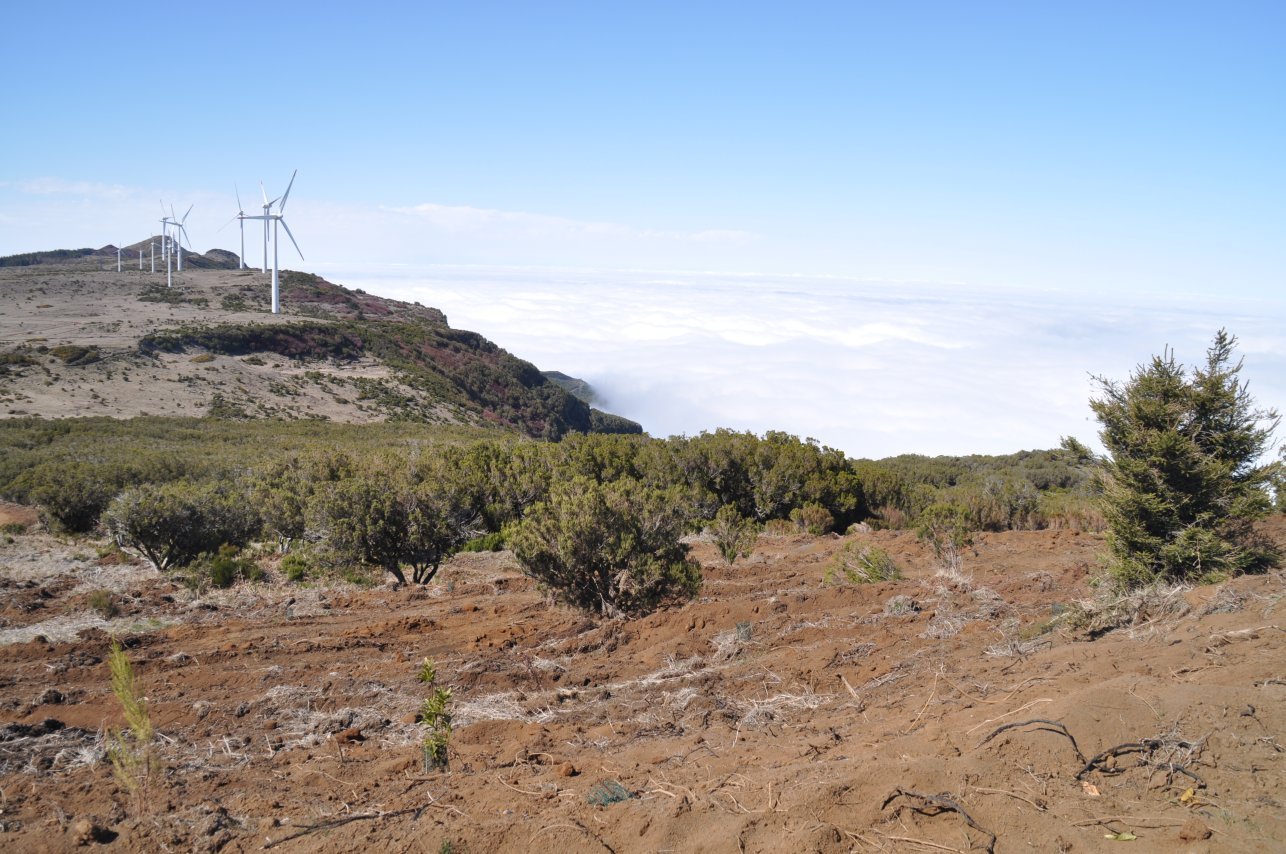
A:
{"x":404,"y":496}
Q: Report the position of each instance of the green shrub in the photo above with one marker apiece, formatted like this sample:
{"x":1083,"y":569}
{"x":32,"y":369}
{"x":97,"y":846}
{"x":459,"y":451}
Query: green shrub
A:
{"x":435,"y":717}
{"x":734,"y":535}
{"x":75,"y":355}
{"x":812,"y":518}
{"x":295,"y":567}
{"x":71,"y":496}
{"x":131,"y":750}
{"x":225,"y":568}
{"x":104,"y":603}
{"x":1182,"y":482}
{"x":492,"y":542}
{"x":172,"y":524}
{"x":612,"y":547}
{"x":13,"y":528}
{"x":859,"y":563}
{"x":945,"y":527}
{"x":378,"y":521}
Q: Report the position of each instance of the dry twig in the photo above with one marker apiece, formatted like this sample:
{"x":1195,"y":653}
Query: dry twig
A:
{"x":1048,"y":726}
{"x":932,"y":805}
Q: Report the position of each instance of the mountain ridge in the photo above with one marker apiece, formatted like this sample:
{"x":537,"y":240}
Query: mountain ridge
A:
{"x":82,"y":339}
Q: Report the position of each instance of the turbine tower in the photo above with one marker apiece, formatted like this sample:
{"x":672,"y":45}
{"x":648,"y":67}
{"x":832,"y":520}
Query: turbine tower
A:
{"x":276,"y":219}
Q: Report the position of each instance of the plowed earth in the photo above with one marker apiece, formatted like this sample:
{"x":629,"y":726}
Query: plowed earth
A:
{"x":772,"y":714}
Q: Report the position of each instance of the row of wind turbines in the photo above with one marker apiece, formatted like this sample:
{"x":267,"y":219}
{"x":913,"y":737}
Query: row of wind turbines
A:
{"x":172,"y":246}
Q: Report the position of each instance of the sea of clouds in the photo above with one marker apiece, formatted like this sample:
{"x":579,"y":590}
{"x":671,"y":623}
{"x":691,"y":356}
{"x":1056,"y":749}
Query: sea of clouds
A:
{"x":872,"y":368}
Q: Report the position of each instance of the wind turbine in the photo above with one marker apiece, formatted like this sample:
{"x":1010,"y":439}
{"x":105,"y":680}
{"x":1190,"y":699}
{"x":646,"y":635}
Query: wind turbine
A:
{"x":182,"y":234}
{"x":268,"y":214}
{"x":166,"y":222}
{"x":241,"y":215}
{"x":118,"y":259}
{"x":276,"y":219}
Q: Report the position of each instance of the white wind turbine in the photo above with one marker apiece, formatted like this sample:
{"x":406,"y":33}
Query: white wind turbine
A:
{"x":241,"y":215}
{"x":166,"y":222}
{"x":276,"y":219}
{"x":181,"y":234}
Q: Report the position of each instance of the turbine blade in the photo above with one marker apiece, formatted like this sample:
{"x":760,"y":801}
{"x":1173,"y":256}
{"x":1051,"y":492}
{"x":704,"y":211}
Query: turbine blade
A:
{"x":292,"y":238}
{"x":240,"y":207}
{"x":185,"y":216}
{"x":228,"y":223}
{"x":265,"y":195}
{"x":286,"y":195}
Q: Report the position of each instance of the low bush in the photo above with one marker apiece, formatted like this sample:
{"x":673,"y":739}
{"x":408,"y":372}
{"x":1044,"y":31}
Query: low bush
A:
{"x":295,"y":567}
{"x":608,"y":547}
{"x":492,"y":542}
{"x":860,"y":563}
{"x":734,"y":535}
{"x":225,"y":568}
{"x":172,"y":524}
{"x":812,"y":519}
{"x":103,"y":602}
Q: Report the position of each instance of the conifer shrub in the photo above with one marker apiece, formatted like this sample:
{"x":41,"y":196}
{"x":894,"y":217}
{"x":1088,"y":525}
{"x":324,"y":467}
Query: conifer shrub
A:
{"x":131,"y":750}
{"x":1183,"y":479}
{"x":608,"y":547}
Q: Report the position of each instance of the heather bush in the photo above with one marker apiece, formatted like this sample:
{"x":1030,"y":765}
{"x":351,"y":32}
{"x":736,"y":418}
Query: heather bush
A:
{"x":859,"y":563}
{"x":607,"y":547}
{"x":171,"y":524}
{"x":734,"y":535}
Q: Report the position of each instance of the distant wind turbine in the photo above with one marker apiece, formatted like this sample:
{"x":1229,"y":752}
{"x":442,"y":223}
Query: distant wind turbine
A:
{"x":276,"y":219}
{"x":181,"y":234}
{"x":166,"y":222}
{"x":241,"y":216}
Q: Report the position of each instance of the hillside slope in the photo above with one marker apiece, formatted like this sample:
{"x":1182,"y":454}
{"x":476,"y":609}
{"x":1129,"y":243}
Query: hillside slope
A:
{"x":77,"y":338}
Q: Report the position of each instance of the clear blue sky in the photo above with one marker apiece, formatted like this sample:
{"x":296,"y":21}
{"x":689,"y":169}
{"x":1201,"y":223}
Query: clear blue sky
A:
{"x":1109,"y":146}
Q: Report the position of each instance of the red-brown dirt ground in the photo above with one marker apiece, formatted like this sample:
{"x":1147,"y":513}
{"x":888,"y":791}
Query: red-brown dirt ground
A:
{"x":774,"y":713}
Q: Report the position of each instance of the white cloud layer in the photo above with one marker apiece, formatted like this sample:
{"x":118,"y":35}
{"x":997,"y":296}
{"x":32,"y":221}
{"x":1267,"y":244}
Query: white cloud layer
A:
{"x":874,"y":368}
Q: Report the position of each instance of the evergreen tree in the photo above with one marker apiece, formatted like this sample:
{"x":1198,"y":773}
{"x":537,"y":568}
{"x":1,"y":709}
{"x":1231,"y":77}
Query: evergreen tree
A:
{"x":1183,"y":481}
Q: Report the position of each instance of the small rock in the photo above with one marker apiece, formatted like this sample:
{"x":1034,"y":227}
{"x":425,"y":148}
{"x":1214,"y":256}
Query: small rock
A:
{"x":50,"y":697}
{"x":567,"y":769}
{"x":269,"y":726}
{"x":1194,"y":830}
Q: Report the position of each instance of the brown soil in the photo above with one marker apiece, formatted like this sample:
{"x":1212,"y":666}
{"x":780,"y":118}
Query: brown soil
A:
{"x":774,"y":714}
